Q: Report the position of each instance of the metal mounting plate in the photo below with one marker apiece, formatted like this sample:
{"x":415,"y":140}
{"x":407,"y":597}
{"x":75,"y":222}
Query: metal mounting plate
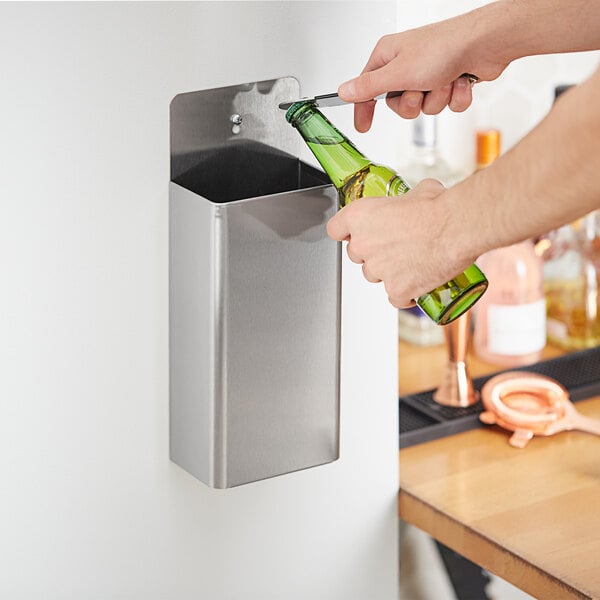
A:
{"x":211,"y":118}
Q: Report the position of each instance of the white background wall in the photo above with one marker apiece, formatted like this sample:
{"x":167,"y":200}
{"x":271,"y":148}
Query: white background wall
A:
{"x":90,"y":505}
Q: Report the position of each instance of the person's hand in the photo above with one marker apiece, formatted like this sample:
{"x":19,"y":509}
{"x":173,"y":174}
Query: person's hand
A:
{"x":429,"y":65}
{"x":395,"y":238}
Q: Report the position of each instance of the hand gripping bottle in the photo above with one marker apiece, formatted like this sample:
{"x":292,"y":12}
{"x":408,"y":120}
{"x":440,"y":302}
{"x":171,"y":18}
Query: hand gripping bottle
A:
{"x":355,"y":176}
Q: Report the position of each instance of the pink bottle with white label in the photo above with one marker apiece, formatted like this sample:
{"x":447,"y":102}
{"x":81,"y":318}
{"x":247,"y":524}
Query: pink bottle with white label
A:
{"x":510,"y":318}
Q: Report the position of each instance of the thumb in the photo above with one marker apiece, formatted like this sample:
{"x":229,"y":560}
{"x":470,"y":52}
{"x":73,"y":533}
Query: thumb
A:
{"x":369,"y":84}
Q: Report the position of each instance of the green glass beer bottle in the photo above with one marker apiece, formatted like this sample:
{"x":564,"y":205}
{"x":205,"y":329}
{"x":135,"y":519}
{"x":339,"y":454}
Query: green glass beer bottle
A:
{"x":355,"y":176}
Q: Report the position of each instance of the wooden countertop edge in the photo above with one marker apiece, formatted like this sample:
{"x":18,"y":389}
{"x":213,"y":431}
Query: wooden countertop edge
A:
{"x":484,"y":551}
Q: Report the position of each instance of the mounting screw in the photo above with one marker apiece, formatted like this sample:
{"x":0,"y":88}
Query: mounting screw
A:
{"x":237,"y":121}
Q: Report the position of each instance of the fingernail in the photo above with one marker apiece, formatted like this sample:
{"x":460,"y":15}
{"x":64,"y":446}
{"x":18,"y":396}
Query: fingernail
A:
{"x":462,"y":82}
{"x":413,"y":100}
{"x":347,"y":90}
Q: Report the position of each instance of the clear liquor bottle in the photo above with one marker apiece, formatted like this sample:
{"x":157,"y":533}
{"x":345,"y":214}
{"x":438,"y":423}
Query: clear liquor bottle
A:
{"x":426,"y":160}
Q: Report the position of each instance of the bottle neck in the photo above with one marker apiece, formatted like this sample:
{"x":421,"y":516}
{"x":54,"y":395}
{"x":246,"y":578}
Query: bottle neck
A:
{"x":488,"y":147}
{"x":425,"y":131}
{"x":425,"y":140}
{"x":334,"y":151}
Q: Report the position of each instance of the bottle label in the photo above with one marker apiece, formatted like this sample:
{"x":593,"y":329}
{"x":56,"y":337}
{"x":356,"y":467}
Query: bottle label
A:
{"x":517,"y":329}
{"x":396,"y":186}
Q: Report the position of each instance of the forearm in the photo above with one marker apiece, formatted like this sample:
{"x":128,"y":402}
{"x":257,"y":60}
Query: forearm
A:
{"x":429,"y":62}
{"x":548,"y":179}
{"x":506,"y":30}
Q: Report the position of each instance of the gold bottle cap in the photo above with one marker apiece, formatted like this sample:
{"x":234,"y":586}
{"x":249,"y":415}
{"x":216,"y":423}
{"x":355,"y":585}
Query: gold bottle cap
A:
{"x":488,"y":146}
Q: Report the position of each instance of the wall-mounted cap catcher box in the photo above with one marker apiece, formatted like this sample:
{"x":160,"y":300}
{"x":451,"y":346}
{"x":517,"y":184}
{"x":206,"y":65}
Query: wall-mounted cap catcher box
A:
{"x":254,"y":290}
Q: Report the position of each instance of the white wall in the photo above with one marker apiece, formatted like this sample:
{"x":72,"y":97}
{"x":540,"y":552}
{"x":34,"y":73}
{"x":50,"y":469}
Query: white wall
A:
{"x":90,"y":505}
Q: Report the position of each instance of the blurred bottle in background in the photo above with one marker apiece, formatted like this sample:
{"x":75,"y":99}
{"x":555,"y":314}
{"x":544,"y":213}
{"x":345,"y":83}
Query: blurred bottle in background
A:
{"x":425,"y":162}
{"x":510,"y":319}
{"x":571,"y":256}
{"x":415,"y":328}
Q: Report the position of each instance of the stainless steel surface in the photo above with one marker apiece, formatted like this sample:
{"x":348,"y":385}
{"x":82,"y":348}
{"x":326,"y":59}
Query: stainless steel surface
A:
{"x":254,"y":309}
{"x":328,"y":100}
{"x":201,"y":120}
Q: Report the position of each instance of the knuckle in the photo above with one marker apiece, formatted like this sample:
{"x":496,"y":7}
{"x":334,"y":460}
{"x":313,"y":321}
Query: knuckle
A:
{"x":364,"y":83}
{"x":397,"y":294}
{"x":353,"y":255}
{"x":383,"y":44}
{"x":394,"y":303}
{"x":358,"y":249}
{"x":367,"y":275}
{"x":430,"y":185}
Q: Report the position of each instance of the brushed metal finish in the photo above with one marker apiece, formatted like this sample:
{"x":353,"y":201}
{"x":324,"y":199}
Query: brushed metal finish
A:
{"x":254,"y":307}
{"x":202,"y":120}
{"x":332,"y":99}
{"x":329,"y":100}
{"x":255,"y":324}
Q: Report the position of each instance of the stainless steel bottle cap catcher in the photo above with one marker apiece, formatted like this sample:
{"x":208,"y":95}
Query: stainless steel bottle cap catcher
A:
{"x":254,"y":290}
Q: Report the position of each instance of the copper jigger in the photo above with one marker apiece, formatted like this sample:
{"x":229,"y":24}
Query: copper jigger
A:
{"x":456,"y":388}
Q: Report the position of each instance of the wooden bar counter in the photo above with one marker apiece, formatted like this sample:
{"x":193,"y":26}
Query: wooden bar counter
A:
{"x":531,"y":516}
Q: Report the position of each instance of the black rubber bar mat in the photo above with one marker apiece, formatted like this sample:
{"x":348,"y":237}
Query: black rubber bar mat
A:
{"x":422,"y":419}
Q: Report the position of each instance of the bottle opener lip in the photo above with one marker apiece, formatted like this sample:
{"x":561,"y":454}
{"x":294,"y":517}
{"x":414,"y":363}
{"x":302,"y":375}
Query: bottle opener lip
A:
{"x":528,"y":404}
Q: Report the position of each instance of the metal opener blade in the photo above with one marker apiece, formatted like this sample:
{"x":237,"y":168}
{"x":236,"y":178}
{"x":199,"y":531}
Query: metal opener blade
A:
{"x":327,"y":100}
